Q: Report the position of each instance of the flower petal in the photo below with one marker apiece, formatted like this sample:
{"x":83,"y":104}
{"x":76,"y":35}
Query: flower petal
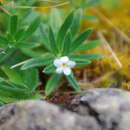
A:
{"x":59,"y":70}
{"x":67,"y":71}
{"x":71,"y":63}
{"x":57,"y":62}
{"x":64,"y":59}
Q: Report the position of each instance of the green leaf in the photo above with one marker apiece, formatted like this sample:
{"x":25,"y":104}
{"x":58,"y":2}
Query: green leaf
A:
{"x":67,"y":44}
{"x":64,"y":29}
{"x":13,"y":24}
{"x":73,"y":82}
{"x":9,"y":99}
{"x":14,"y":91}
{"x":84,"y":57}
{"x":88,"y":45}
{"x":10,"y":93}
{"x":8,"y":82}
{"x":3,"y":40}
{"x":6,"y":57}
{"x":4,"y":91}
{"x":32,"y":28}
{"x":19,"y":34}
{"x":80,"y":39}
{"x":53,"y":45}
{"x":81,"y":63}
{"x":52,"y":83}
{"x":79,"y":60}
{"x":49,"y":69}
{"x":16,"y":57}
{"x":36,"y":62}
{"x":27,"y":79}
{"x":31,"y":53}
{"x":10,"y":37}
{"x":44,"y":35}
{"x":31,"y":78}
{"x":55,"y":20}
{"x":27,"y":45}
{"x":13,"y":75}
{"x":76,"y":22}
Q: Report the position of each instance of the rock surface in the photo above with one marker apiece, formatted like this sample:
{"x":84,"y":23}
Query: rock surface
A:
{"x":109,"y":106}
{"x":97,"y":109}
{"x":40,"y":115}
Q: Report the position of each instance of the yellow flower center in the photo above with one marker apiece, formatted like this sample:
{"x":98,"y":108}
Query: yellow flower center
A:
{"x":64,"y":64}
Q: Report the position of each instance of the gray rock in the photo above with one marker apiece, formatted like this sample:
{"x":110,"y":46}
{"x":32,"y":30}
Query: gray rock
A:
{"x":40,"y":115}
{"x":109,"y":106}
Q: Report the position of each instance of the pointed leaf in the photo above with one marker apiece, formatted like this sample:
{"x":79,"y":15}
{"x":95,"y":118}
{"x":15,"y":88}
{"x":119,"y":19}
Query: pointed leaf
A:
{"x":55,"y":19}
{"x":10,"y":99}
{"x":88,"y":45}
{"x":49,"y":69}
{"x":52,"y":83}
{"x":32,"y":28}
{"x":13,"y":91}
{"x":67,"y":44}
{"x":30,"y":78}
{"x":27,"y":45}
{"x":84,"y":57}
{"x":36,"y":62}
{"x":80,"y":39}
{"x":19,"y":34}
{"x":44,"y":35}
{"x":79,"y":60}
{"x":3,"y":40}
{"x":31,"y":53}
{"x":27,"y":78}
{"x":63,"y":30}
{"x":81,"y":63}
{"x":73,"y":82}
{"x":5,"y":57}
{"x":13,"y":24}
{"x":53,"y":45}
{"x":76,"y":22}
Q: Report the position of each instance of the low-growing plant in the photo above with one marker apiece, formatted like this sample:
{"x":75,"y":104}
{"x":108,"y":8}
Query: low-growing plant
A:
{"x":64,"y":47}
{"x":16,"y":44}
{"x":16,"y":37}
{"x":59,"y":44}
{"x":18,"y":85}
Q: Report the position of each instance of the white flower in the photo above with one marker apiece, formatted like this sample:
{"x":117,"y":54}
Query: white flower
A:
{"x":63,"y":65}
